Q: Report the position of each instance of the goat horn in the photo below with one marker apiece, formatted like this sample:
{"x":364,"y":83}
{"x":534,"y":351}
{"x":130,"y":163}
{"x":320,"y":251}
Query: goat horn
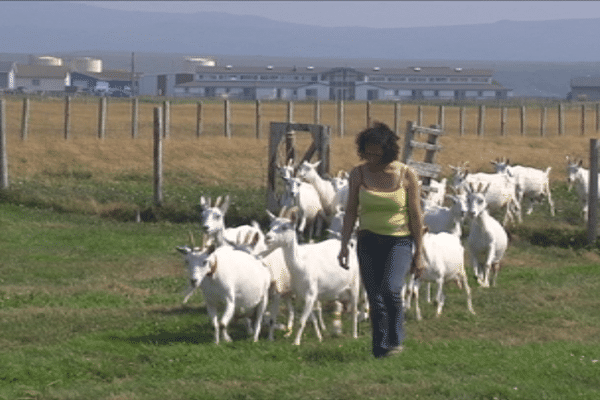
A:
{"x":282,"y":212}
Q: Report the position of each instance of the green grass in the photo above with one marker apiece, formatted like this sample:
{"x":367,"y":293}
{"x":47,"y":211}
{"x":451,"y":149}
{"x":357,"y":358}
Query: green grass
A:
{"x":90,"y":308}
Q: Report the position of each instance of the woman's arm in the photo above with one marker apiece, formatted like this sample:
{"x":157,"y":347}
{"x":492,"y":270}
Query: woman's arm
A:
{"x":350,"y":215}
{"x":415,"y":217}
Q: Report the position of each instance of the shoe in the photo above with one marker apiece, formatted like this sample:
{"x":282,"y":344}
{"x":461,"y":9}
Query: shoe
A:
{"x":394,"y":351}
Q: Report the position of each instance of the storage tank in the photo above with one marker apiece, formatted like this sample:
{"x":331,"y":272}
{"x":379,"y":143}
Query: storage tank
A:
{"x":45,"y":60}
{"x":190,"y":63}
{"x":87,"y":64}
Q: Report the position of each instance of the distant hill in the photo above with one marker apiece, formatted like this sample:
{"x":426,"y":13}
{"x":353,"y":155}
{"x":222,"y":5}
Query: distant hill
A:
{"x":532,"y":58}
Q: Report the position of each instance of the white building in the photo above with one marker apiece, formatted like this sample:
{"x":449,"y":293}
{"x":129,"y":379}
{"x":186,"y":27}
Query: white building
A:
{"x":42,"y":78}
{"x":292,"y":83}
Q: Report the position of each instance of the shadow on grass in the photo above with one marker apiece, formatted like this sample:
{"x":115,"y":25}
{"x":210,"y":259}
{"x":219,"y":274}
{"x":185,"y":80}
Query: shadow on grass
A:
{"x":197,"y":333}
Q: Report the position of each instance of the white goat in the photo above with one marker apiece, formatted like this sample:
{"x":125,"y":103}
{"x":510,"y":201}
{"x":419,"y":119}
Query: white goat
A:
{"x":308,"y":173}
{"x":341,"y":185}
{"x":436,"y":197}
{"x":230,"y":278}
{"x":304,"y":196}
{"x":531,"y":183}
{"x":580,"y":177}
{"x":213,"y":225}
{"x":447,"y":219}
{"x":443,"y":259}
{"x":315,"y":271}
{"x":487,"y":241}
{"x":501,"y":192}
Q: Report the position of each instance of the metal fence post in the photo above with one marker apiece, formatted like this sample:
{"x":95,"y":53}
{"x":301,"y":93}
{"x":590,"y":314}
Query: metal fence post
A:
{"x":3,"y":154}
{"x":158,"y":156}
{"x":592,"y":227}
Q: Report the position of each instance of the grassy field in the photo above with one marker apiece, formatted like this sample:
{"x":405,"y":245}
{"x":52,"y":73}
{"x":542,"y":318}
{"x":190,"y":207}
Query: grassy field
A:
{"x":90,"y":301}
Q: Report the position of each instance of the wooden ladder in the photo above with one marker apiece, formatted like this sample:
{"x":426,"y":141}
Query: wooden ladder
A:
{"x":427,"y":169}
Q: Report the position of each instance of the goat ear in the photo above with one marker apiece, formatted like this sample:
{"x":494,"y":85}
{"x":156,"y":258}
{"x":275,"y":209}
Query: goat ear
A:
{"x":253,"y":239}
{"x":218,"y":201}
{"x":316,"y":164}
{"x":204,"y":202}
{"x":293,"y":215}
{"x":283,"y":211}
{"x":225,"y":205}
{"x":580,"y":163}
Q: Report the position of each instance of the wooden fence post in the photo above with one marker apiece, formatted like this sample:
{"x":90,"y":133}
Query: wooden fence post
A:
{"x":340,"y":118}
{"x":25,"y":119}
{"x":199,"y":119}
{"x":166,"y":119}
{"x":503,"y":112}
{"x":317,"y":113}
{"x":441,"y":122}
{"x":461,"y":120}
{"x":523,"y":117}
{"x":543,"y":114}
{"x":102,"y":118}
{"x":561,"y":119}
{"x":368,"y":114}
{"x":592,"y":227}
{"x":290,"y":112}
{"x":134,"y":117}
{"x":397,"y":117}
{"x":582,"y":119}
{"x":597,"y":117}
{"x":258,"y":119}
{"x":226,"y":119}
{"x":158,"y":156}
{"x":67,"y":117}
{"x":3,"y":151}
{"x":481,"y":121}
{"x":420,"y":115}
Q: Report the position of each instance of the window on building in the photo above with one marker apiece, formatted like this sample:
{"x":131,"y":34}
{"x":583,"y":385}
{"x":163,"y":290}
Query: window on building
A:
{"x":35,"y":82}
{"x":372,"y":94}
{"x":311,"y":93}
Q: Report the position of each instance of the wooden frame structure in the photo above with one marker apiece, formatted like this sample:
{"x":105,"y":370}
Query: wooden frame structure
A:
{"x":285,"y":130}
{"x":427,"y":169}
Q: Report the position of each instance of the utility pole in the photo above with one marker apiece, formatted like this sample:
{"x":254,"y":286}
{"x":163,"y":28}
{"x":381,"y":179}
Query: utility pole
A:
{"x":132,"y":74}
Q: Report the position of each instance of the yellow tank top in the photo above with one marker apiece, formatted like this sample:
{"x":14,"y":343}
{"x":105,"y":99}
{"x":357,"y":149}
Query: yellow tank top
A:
{"x":384,"y":212}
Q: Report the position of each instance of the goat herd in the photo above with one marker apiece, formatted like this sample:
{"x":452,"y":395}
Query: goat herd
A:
{"x":248,"y":272}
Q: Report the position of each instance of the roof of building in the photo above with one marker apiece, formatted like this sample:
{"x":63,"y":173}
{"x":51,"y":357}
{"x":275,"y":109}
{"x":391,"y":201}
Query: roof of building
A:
{"x":446,"y":71}
{"x":7,"y":66}
{"x":586,"y":81}
{"x":237,"y":69}
{"x":109,"y":75}
{"x":246,"y":84}
{"x":41,"y":71}
{"x":432,"y":86}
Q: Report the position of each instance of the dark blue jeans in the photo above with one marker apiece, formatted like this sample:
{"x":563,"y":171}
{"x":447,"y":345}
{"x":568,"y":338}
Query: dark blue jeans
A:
{"x":384,"y":262}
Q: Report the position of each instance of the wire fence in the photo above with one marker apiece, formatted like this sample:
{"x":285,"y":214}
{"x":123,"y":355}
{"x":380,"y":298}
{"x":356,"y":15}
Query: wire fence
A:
{"x":69,"y":118}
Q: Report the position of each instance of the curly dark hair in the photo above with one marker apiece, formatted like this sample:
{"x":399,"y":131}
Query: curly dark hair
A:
{"x":379,"y":134}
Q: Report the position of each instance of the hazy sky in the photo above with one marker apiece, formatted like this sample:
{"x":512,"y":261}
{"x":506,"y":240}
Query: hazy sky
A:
{"x":382,"y":14}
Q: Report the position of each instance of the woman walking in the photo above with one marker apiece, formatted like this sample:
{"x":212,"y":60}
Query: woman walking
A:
{"x":384,"y":194}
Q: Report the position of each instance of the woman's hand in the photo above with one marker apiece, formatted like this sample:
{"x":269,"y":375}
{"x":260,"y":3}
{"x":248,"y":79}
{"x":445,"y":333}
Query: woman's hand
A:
{"x":416,"y":266}
{"x":343,"y":257}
